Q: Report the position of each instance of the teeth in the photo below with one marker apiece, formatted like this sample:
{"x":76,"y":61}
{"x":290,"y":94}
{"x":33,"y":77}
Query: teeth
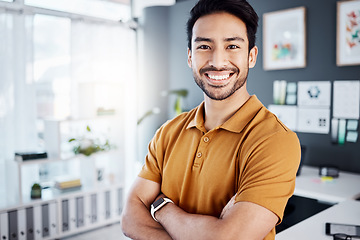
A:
{"x":217,"y":77}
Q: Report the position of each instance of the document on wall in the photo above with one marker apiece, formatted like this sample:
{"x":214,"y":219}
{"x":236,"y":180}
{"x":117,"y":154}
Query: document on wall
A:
{"x":286,"y":114}
{"x":313,"y":120}
{"x":346,"y":103}
{"x":314,"y":93}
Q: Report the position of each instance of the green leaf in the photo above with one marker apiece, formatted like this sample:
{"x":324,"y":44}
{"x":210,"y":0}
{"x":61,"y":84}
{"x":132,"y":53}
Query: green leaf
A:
{"x":72,"y":139}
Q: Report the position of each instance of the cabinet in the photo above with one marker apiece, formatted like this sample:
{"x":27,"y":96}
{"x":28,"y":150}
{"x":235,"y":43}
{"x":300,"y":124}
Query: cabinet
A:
{"x":60,"y":213}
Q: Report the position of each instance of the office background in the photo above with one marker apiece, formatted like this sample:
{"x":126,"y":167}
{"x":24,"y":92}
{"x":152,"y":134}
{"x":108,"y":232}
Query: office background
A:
{"x":166,"y":56}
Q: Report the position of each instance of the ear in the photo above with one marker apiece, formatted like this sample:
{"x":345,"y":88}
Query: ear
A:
{"x":189,"y":61}
{"x":253,"y":56}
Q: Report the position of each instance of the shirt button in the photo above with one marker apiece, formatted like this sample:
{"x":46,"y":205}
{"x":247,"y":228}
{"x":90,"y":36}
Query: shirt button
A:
{"x":206,"y":139}
{"x":199,"y":154}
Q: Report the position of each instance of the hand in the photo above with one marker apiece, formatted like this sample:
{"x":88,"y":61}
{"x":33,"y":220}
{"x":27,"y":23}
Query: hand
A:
{"x":229,"y":205}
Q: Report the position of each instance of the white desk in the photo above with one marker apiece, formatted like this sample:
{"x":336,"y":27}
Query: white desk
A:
{"x":340,"y":191}
{"x":347,"y":212}
{"x":310,"y":185}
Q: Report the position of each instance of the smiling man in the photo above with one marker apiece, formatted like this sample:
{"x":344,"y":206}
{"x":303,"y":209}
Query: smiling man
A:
{"x":225,"y":169}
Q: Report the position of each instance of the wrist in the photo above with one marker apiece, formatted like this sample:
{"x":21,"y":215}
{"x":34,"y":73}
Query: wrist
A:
{"x":159,"y":204}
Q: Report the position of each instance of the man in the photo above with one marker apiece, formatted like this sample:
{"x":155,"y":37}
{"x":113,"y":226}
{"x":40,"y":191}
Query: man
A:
{"x":226,"y":169}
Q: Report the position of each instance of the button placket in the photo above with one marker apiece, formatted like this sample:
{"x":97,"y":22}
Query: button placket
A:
{"x":199,"y":157}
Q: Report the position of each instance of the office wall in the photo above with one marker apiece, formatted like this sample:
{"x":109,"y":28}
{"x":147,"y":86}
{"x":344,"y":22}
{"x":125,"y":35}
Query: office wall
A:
{"x":321,"y":65}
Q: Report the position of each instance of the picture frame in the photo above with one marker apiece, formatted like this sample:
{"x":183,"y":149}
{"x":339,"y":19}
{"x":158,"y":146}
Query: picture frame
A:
{"x":284,"y":39}
{"x":348,"y":33}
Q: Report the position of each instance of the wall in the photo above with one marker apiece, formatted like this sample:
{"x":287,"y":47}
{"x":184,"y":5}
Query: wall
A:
{"x":153,"y":73}
{"x":321,"y":65}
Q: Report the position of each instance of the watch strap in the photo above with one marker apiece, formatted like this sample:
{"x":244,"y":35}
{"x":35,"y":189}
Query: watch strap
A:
{"x":163,"y":202}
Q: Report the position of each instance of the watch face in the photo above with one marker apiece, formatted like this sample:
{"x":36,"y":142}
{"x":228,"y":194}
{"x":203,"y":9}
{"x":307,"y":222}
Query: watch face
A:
{"x":158,"y":202}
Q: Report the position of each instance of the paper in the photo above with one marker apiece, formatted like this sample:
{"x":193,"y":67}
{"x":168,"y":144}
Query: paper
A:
{"x":279,"y":91}
{"x":334,"y":130}
{"x":352,"y":136}
{"x":313,"y":120}
{"x":352,"y":125}
{"x":286,"y":114}
{"x":346,"y":99}
{"x":314,"y":93}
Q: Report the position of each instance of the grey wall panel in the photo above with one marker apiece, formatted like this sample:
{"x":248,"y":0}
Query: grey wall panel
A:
{"x":321,"y":65}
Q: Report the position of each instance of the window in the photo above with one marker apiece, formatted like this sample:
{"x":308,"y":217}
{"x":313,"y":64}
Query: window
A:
{"x":52,"y":66}
{"x":63,"y":66}
{"x":95,"y":8}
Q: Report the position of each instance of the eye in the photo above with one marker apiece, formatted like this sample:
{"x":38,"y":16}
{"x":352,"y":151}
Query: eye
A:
{"x":233,"y":47}
{"x":203,"y":47}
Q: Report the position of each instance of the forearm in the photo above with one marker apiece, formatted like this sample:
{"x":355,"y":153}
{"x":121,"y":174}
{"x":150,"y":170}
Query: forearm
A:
{"x":241,"y":221}
{"x":137,"y":223}
{"x":182,"y":225}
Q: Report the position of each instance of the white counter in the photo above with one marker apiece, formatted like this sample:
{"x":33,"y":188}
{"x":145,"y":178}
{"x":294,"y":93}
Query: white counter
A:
{"x":340,"y":191}
{"x":347,"y":212}
{"x":309,"y":184}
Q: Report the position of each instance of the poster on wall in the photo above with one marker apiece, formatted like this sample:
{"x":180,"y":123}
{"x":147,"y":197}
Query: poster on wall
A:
{"x":346,"y":99}
{"x":284,"y":34}
{"x":314,"y":93}
{"x":348,"y":33}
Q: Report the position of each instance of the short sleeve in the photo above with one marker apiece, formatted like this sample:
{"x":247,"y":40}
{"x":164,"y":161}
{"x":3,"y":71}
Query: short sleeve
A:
{"x":151,"y":170}
{"x":268,"y":178}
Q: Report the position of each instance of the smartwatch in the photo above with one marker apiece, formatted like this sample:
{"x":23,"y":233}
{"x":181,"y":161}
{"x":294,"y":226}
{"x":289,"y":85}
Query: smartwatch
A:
{"x":158,"y":204}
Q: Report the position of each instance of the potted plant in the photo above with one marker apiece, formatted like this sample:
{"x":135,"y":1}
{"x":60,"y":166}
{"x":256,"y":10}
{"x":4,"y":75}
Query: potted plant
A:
{"x":88,"y":145}
{"x":35,"y":191}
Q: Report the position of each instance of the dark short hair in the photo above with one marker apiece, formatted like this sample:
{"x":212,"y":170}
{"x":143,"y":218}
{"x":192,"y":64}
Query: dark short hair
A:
{"x":239,"y":8}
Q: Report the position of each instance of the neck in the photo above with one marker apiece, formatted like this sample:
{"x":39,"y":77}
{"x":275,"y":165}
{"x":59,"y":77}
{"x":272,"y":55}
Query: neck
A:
{"x":218,"y":112}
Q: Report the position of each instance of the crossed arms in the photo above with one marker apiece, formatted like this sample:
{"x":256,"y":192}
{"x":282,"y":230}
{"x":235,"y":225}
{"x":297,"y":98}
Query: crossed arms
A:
{"x":242,"y":220}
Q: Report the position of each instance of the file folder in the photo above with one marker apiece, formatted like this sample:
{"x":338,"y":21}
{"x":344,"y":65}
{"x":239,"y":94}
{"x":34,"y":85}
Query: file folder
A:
{"x":4,"y":225}
{"x":45,"y":220}
{"x":37,"y":222}
{"x":101,"y":206}
{"x":79,"y":212}
{"x":30,"y":223}
{"x":107,"y":205}
{"x":87,"y":210}
{"x":72,"y":214}
{"x":21,"y":223}
{"x":94,"y":208}
{"x":13,"y":230}
{"x":114,"y":203}
{"x":120,"y":200}
{"x":53,"y":219}
{"x":65,"y":215}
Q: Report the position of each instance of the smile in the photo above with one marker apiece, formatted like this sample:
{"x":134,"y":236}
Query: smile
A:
{"x":218,"y":77}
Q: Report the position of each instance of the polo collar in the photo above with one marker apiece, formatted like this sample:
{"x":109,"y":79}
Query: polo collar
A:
{"x":237,"y":122}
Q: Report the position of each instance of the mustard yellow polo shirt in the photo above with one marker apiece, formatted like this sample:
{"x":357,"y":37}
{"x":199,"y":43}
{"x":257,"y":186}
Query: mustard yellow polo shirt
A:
{"x":252,"y":155}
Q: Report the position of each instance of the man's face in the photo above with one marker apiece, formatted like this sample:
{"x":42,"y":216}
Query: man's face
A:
{"x":220,"y":58}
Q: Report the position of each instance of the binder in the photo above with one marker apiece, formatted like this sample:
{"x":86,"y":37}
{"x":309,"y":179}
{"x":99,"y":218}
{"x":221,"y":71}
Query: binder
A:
{"x":53,"y":219}
{"x":72,"y":214}
{"x":13,"y":223}
{"x":21,"y":223}
{"x":29,"y":223}
{"x":65,"y":215}
{"x":107,"y":205}
{"x":114,"y":203}
{"x":37,"y":222}
{"x":4,"y":225}
{"x":120,"y":200}
{"x":45,"y":220}
{"x":101,"y":206}
{"x":87,"y":210}
{"x":94,"y":208}
{"x":79,"y":212}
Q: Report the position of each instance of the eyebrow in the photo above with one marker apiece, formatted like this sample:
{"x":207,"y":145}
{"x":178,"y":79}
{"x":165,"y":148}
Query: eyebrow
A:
{"x":230,"y":39}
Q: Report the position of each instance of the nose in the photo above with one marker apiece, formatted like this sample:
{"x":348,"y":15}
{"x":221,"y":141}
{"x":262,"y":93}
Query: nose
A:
{"x":218,"y":59}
